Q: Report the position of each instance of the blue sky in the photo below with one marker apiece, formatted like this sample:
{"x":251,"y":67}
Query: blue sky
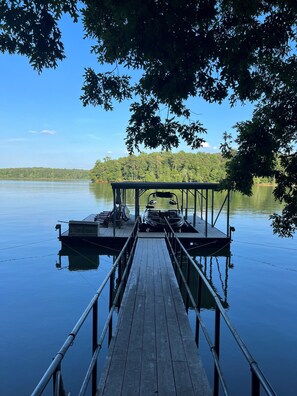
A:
{"x":43,"y":122}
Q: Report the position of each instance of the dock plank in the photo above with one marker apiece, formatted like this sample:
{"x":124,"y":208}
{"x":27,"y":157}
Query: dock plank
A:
{"x":153,"y":349}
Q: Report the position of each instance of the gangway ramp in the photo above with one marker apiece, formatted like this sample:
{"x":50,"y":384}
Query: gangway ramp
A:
{"x":153,"y":350}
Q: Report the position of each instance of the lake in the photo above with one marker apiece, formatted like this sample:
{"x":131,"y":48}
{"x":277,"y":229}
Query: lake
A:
{"x":42,"y":300}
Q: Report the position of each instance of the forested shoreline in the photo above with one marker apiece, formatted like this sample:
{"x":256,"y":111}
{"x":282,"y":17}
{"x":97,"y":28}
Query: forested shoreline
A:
{"x":39,"y":173}
{"x":164,"y":166}
{"x":156,"y":166}
{"x":161,"y":166}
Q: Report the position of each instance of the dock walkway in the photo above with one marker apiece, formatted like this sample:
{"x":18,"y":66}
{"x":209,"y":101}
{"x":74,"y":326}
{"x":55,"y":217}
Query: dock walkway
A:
{"x":153,"y":349}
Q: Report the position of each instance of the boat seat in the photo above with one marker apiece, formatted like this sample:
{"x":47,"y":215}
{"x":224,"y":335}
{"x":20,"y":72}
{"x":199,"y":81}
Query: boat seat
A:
{"x":103,"y":218}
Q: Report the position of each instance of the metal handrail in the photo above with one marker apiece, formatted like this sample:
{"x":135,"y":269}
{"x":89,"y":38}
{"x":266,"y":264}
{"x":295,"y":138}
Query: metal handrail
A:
{"x":257,"y":377}
{"x":54,"y":370}
{"x":220,"y":210}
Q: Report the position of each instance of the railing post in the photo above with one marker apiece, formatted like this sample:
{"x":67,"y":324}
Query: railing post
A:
{"x":58,"y":386}
{"x":94,"y":346}
{"x":217,"y":350}
{"x":175,"y":244}
{"x":56,"y":381}
{"x":180,"y":266}
{"x":120,"y":275}
{"x":110,"y":305}
{"x":255,"y":384}
{"x":188,"y":281}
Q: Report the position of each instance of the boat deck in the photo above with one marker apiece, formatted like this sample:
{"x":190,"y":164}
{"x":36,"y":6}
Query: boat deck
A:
{"x":153,"y":350}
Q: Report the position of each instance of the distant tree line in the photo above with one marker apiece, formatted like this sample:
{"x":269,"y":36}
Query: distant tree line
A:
{"x":43,"y":174}
{"x":164,"y":166}
{"x":157,"y":166}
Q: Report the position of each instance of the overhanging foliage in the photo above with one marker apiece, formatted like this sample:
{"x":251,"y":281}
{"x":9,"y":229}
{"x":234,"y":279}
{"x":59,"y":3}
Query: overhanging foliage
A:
{"x":234,"y":50}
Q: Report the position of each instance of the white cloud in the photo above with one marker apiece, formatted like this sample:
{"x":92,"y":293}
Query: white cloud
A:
{"x":48,"y":132}
{"x":205,"y":145}
{"x":44,"y":132}
{"x":109,"y":152}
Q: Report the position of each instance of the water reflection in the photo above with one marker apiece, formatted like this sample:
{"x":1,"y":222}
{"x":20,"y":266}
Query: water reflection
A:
{"x":216,"y":270}
{"x":88,"y":258}
{"x":215,"y":266}
{"x":83,"y":259}
{"x":263,"y":200}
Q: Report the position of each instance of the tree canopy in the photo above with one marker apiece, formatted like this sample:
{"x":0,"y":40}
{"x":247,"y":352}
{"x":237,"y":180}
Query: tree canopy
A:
{"x":164,"y":166}
{"x":233,"y":50}
{"x":43,"y":174}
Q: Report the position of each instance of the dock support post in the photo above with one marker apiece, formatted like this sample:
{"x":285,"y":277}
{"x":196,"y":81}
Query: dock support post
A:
{"x":187,"y":204}
{"x":228,"y":214}
{"x":195,"y":207}
{"x":206,"y":212}
{"x":212,"y":207}
{"x":114,"y":212}
{"x":201,"y":203}
{"x":136,"y":203}
{"x":182,"y":204}
{"x":124,"y":195}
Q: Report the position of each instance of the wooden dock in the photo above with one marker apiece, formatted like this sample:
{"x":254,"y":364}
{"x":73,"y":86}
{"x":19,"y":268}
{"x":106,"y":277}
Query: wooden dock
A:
{"x":153,"y":349}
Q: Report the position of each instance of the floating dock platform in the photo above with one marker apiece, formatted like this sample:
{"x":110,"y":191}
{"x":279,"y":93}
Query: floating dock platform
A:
{"x":201,"y":218}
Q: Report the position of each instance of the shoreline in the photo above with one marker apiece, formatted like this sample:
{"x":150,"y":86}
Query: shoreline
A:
{"x":96,"y":181}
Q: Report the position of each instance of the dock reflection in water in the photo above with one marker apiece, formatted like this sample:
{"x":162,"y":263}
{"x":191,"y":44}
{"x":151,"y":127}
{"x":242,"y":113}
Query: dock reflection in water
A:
{"x":215,"y":266}
{"x":84,"y":258}
{"x":88,"y":259}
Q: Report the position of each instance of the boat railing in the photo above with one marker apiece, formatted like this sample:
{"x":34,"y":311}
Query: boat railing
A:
{"x":182,"y":262}
{"x":54,"y":372}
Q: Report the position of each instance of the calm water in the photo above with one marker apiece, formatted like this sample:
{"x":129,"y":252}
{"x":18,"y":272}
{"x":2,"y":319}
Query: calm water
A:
{"x":40,"y":301}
